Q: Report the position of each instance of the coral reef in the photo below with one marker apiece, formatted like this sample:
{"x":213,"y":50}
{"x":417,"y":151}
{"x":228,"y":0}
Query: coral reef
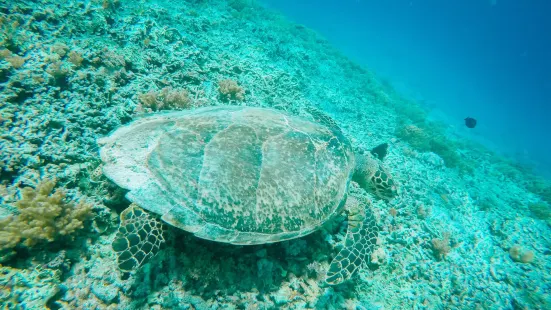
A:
{"x":540,"y":187}
{"x":72,"y":73}
{"x":42,"y":215}
{"x":441,"y":247}
{"x":28,"y":289}
{"x":521,"y":255}
{"x":541,"y":210}
{"x":166,"y":99}
{"x":430,"y":138}
{"x":230,"y":90}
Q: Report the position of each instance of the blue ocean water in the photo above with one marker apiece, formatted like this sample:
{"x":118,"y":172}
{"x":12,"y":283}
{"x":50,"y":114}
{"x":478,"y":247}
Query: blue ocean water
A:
{"x":487,"y":59}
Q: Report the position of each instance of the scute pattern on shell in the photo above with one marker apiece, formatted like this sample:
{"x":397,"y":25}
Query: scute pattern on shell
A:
{"x":233,"y":174}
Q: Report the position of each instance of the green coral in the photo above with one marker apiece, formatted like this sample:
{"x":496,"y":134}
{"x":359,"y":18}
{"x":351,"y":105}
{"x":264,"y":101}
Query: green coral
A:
{"x":445,"y":149}
{"x":430,"y":137}
{"x":540,"y":187}
{"x":541,"y":210}
{"x":415,"y":136}
{"x":43,"y":215}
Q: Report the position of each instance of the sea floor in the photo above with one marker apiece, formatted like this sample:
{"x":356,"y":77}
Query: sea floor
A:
{"x":469,"y":230}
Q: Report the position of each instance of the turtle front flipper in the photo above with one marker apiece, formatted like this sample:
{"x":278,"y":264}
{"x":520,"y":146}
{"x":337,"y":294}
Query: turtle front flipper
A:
{"x":360,"y":242}
{"x":139,"y":238}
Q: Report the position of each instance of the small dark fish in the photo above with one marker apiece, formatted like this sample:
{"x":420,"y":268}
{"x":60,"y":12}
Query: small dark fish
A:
{"x":470,"y":122}
{"x":380,"y":151}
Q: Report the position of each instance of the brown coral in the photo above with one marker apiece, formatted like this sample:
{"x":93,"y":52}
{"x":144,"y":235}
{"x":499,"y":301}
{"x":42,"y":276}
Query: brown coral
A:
{"x":75,"y":58}
{"x":441,"y":247}
{"x":230,"y":90}
{"x":167,"y":99}
{"x":176,"y":98}
{"x":521,"y":255}
{"x":15,"y":61}
{"x":44,"y":215}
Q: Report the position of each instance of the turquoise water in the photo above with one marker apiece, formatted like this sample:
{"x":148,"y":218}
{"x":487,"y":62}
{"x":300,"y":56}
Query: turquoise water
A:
{"x":469,"y":224}
{"x":484,"y":59}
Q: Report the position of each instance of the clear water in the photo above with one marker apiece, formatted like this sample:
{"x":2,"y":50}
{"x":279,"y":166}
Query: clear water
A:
{"x":484,"y":59}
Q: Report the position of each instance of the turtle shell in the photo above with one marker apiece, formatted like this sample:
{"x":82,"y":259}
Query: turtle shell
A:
{"x":239,"y":175}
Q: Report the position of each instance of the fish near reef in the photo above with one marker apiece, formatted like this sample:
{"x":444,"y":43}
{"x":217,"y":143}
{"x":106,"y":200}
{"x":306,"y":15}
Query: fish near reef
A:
{"x":470,"y":122}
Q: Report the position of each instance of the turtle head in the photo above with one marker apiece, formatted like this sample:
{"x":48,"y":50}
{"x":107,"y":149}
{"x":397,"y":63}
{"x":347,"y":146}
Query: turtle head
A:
{"x":372,"y":176}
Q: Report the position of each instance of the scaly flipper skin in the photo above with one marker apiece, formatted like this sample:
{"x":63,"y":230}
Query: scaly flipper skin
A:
{"x":361,"y":239}
{"x":372,"y":176}
{"x":139,"y":238}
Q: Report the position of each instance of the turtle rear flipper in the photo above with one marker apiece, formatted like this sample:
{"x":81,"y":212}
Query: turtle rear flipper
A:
{"x":360,"y":242}
{"x":139,"y":238}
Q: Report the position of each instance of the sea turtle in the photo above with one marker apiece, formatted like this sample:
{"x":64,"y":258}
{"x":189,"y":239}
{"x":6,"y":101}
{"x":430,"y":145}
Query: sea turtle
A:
{"x":241,"y":175}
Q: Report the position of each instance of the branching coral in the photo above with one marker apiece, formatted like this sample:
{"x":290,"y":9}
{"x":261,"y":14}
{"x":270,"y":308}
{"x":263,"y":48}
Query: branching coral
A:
{"x":10,"y":33}
{"x":230,"y":90}
{"x":44,"y":215}
{"x":168,"y":98}
{"x":441,"y":247}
